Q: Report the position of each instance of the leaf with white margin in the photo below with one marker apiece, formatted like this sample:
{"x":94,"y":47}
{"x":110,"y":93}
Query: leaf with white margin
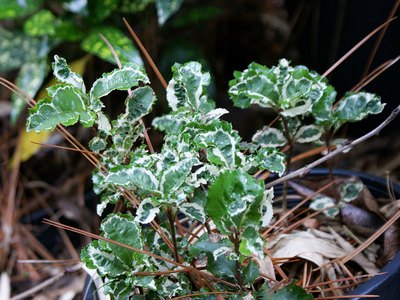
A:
{"x":146,"y":211}
{"x":140,"y":103}
{"x":124,"y":229}
{"x":193,"y":211}
{"x":214,"y":114}
{"x":119,"y":79}
{"x":355,"y":107}
{"x":304,"y":107}
{"x":63,"y":73}
{"x":65,"y":107}
{"x":322,"y":108}
{"x":220,"y":147}
{"x":104,"y":262}
{"x":176,"y":175}
{"x":267,"y":210}
{"x":187,"y":86}
{"x":269,"y":137}
{"x":308,"y":134}
{"x":350,"y":190}
{"x":326,"y":205}
{"x":271,"y":160}
{"x":251,"y":243}
{"x":133,"y":176}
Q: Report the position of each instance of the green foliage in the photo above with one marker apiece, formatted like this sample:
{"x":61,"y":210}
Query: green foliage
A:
{"x":204,"y":172}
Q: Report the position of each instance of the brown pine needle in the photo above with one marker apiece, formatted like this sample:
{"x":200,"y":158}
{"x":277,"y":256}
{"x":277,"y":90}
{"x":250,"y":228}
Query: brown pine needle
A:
{"x":146,"y":54}
{"x":358,"y":45}
{"x":65,"y":148}
{"x":341,"y":279}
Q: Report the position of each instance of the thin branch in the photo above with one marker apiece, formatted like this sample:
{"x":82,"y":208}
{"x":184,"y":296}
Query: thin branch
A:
{"x":330,"y":155}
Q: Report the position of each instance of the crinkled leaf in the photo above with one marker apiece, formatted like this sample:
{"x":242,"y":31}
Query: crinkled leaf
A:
{"x":40,"y":24}
{"x":167,"y":123}
{"x":355,"y":107}
{"x":325,"y":204}
{"x":124,"y":229}
{"x":66,"y":106}
{"x":271,"y":160}
{"x":269,"y":137}
{"x":103,"y":261}
{"x":123,"y":46}
{"x":176,"y":175}
{"x":10,"y":9}
{"x":221,"y":147}
{"x":120,"y":79}
{"x":308,"y":134}
{"x":16,"y":49}
{"x":63,"y":73}
{"x":187,"y":88}
{"x":30,"y":78}
{"x":350,"y":190}
{"x":166,"y":8}
{"x":193,"y":211}
{"x":233,"y":201}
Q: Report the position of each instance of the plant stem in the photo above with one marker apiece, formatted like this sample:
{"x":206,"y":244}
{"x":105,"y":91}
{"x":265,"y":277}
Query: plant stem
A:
{"x":289,"y":158}
{"x":236,"y":242}
{"x":171,"y":213}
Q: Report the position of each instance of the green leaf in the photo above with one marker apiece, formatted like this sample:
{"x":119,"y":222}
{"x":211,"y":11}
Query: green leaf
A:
{"x":63,"y":73}
{"x":355,"y":107}
{"x":166,"y":8}
{"x":41,"y":24}
{"x":250,"y":273}
{"x":234,"y":200}
{"x":221,"y":147}
{"x":16,"y":49}
{"x":290,"y":292}
{"x":66,"y":106}
{"x":120,"y":79}
{"x":10,"y":9}
{"x":349,"y":191}
{"x":269,"y":137}
{"x":193,"y":211}
{"x":308,"y":134}
{"x":132,"y":7}
{"x":124,"y":229}
{"x":218,"y":262}
{"x":123,"y":46}
{"x":187,"y":88}
{"x":30,"y":78}
{"x":139,"y":103}
{"x":132,"y":176}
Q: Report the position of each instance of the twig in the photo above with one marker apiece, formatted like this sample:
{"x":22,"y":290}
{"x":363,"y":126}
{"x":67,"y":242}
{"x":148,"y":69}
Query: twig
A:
{"x":344,"y":148}
{"x":46,"y":283}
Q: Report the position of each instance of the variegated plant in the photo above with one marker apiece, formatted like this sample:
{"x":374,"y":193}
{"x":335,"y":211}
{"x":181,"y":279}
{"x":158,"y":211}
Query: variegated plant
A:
{"x":203,"y":173}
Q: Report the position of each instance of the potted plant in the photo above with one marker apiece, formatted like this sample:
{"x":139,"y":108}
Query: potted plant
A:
{"x":197,"y":218}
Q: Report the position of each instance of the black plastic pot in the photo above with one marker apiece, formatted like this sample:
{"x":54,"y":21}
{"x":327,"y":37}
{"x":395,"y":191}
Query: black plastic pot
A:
{"x":386,"y":286}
